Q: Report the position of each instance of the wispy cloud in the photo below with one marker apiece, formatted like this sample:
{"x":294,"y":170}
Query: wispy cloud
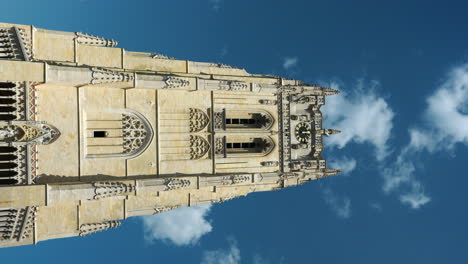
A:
{"x":339,"y":205}
{"x":290,"y":62}
{"x":376,"y":206}
{"x":446,"y":125}
{"x":182,"y":226}
{"x":345,"y":164}
{"x":400,"y":178}
{"x":259,"y":259}
{"x":216,"y":4}
{"x":224,"y":51}
{"x":362,"y":115}
{"x":231,"y":255}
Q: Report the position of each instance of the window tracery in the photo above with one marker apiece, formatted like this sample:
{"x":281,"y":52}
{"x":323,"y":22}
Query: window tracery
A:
{"x":137,"y":134}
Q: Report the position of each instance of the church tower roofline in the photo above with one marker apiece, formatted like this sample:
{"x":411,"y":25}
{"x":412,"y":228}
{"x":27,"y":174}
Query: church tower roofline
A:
{"x":97,"y":134}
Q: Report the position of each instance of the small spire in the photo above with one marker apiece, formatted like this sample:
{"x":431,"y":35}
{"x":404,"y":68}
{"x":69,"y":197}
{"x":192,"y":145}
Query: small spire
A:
{"x":329,"y":132}
{"x":331,"y":172}
{"x":329,"y":91}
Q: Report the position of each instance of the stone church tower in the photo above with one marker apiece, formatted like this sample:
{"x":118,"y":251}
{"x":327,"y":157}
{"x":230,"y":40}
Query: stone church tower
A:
{"x":91,"y":134}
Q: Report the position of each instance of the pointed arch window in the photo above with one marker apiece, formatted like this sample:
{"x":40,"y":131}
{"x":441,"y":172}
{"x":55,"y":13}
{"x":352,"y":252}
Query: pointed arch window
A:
{"x":133,"y":132}
{"x":259,"y":146}
{"x":242,"y":119}
{"x":8,"y":101}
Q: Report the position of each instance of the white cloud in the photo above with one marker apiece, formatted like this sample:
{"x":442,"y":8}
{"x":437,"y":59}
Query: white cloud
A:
{"x":340,"y":205}
{"x":446,"y":114}
{"x":345,"y":165}
{"x":182,"y":226}
{"x":416,"y":197}
{"x":230,"y":255}
{"x":362,"y":116}
{"x":400,"y":178}
{"x":446,"y":125}
{"x":290,"y":62}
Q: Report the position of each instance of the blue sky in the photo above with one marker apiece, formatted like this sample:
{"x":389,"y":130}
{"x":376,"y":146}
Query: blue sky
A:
{"x":403,"y":69}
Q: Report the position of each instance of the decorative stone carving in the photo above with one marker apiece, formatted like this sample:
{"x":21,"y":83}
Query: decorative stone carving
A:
{"x":328,"y":132}
{"x":267,"y":144}
{"x":304,"y":99}
{"x":17,"y":223}
{"x":85,"y":39}
{"x":15,"y":44}
{"x":133,"y":132}
{"x":161,"y":56}
{"x":265,"y":121}
{"x":198,"y":119}
{"x":219,"y":120}
{"x":111,"y":189}
{"x":163,"y":209}
{"x":267,"y":102}
{"x":107,"y":76}
{"x":236,"y":179}
{"x":269,"y":163}
{"x":174,"y":184}
{"x":233,"y":86}
{"x":220,"y":145}
{"x":86,"y":229}
{"x":284,"y":124}
{"x":175,"y":82}
{"x":198,"y":147}
{"x":29,"y":133}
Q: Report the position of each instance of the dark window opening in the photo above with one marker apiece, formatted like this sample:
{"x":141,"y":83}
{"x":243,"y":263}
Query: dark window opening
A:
{"x":9,"y":173}
{"x":240,"y":121}
{"x":7,"y":109}
{"x":8,"y":165}
{"x":7,"y":149}
{"x":7,"y":117}
{"x":7,"y":93}
{"x":7,"y":157}
{"x":242,"y":147}
{"x":100,"y":134}
{"x":8,"y":182}
{"x":7,"y":85}
{"x":7,"y":101}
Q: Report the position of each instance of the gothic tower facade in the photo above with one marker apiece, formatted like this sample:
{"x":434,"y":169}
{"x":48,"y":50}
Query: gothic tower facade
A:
{"x":91,"y":134}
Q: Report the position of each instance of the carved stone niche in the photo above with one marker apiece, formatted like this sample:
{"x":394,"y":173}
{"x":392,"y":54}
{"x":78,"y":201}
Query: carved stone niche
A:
{"x":16,"y":224}
{"x":15,"y":44}
{"x":86,"y":229}
{"x":111,"y":189}
{"x":303,"y":165}
{"x":303,"y":99}
{"x":303,"y":118}
{"x":30,"y":133}
{"x":164,"y":184}
{"x":232,"y":179}
{"x":85,"y":39}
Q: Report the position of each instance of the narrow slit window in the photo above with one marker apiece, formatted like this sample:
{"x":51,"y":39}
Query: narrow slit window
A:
{"x":100,"y":134}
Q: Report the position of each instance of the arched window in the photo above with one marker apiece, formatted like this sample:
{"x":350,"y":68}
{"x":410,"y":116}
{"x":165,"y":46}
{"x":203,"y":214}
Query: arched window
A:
{"x":9,"y":170}
{"x":135,"y":135}
{"x":259,"y":146}
{"x":8,"y":101}
{"x":243,"y":119}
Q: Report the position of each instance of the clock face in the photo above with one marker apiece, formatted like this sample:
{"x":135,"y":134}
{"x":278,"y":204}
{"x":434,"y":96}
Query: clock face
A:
{"x":302,"y":132}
